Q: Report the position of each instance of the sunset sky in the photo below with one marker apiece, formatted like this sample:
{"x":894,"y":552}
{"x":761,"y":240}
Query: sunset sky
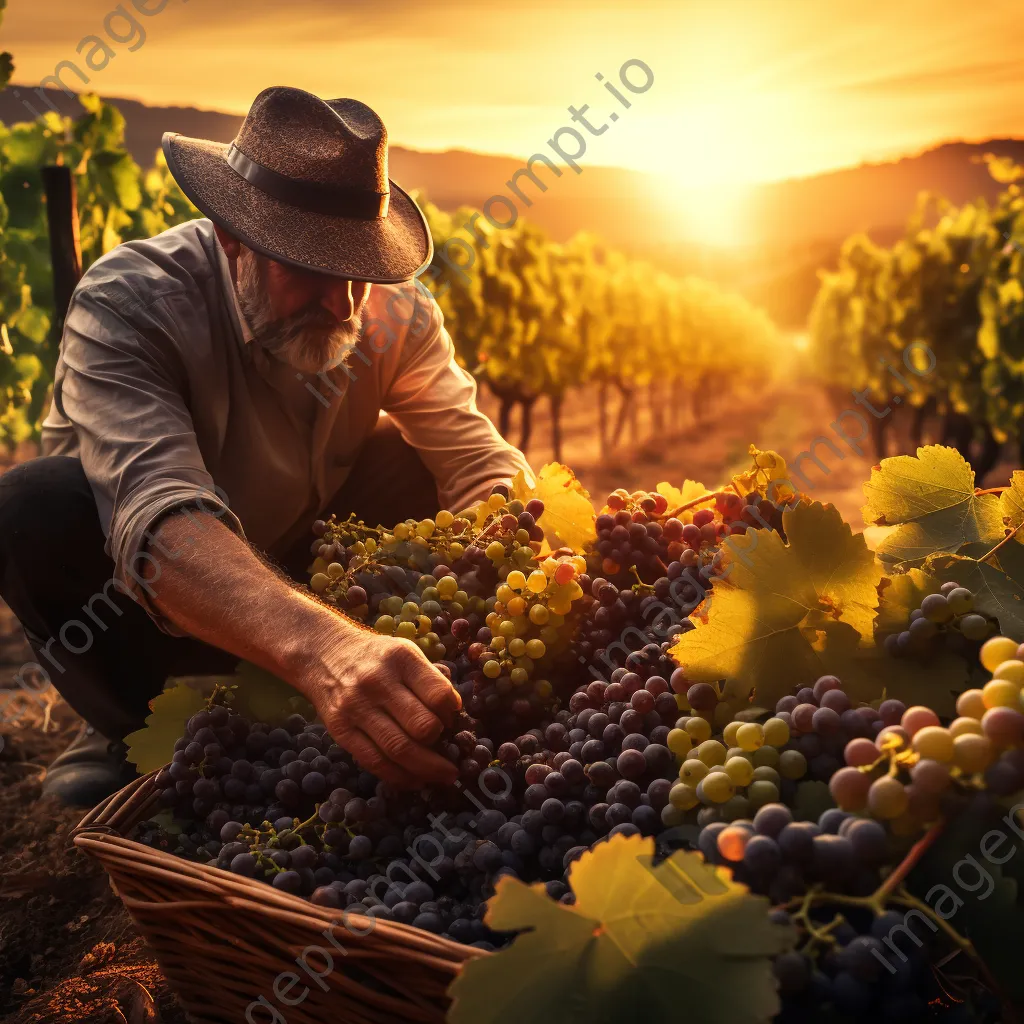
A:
{"x":744,"y":90}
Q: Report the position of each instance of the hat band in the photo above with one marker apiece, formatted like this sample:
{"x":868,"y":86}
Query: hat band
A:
{"x":315,"y":196}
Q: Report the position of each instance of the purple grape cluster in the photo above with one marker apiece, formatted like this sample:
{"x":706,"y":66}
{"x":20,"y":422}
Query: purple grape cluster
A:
{"x":945,"y":622}
{"x":779,"y":857}
{"x":822,"y":720}
{"x":287,"y":806}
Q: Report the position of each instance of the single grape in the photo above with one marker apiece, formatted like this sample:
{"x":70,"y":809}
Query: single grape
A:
{"x":849,"y":788}
{"x":936,"y":608}
{"x":972,"y":753}
{"x":995,"y":651}
{"x":934,"y":743}
{"x":887,"y":798}
{"x":732,"y":842}
{"x":918,"y":717}
{"x":717,"y":787}
{"x":771,"y":819}
{"x":930,"y":776}
{"x":960,"y":600}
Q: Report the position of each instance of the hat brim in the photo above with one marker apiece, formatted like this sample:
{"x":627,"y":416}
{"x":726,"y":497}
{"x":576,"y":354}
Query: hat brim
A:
{"x":384,"y":250}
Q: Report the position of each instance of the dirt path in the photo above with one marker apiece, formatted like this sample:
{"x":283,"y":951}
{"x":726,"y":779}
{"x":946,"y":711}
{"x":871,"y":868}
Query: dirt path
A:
{"x":786,"y":418}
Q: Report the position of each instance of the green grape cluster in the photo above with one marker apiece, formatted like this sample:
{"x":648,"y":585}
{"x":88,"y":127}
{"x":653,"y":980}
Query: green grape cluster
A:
{"x":732,"y":774}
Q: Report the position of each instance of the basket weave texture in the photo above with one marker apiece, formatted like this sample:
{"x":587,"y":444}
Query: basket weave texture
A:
{"x":229,"y":945}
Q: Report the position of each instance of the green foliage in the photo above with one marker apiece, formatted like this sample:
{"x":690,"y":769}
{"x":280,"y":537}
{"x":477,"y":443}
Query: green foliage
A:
{"x":944,"y":306}
{"x":931,"y":499}
{"x":117,"y":202}
{"x":532,"y":317}
{"x":263,"y":697}
{"x":983,"y":900}
{"x":776,"y":603}
{"x":784,"y":613}
{"x":637,"y":938}
{"x":151,"y":746}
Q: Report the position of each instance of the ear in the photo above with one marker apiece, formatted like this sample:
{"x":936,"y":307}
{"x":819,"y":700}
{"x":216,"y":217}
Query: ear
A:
{"x":231,"y":245}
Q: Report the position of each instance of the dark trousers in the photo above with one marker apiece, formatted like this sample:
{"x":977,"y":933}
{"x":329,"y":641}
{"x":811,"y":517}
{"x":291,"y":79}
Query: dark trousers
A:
{"x":98,"y":646}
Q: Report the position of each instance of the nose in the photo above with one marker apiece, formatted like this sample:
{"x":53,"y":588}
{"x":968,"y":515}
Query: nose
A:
{"x":337,"y":296}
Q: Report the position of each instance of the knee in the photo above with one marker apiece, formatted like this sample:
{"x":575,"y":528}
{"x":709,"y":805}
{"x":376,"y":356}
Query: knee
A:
{"x":44,"y":501}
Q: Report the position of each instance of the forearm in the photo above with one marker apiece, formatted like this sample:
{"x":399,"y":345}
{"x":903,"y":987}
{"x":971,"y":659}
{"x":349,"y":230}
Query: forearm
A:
{"x":211,"y":585}
{"x":378,"y":695}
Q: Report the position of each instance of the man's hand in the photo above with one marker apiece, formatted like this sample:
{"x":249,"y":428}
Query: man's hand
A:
{"x":379,"y":696}
{"x":383,"y":701}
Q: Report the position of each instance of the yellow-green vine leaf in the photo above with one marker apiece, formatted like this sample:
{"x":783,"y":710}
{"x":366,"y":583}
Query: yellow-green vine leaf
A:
{"x":151,"y":746}
{"x":637,"y":937}
{"x":996,"y":592}
{"x":676,"y":496}
{"x":868,"y":672}
{"x":264,"y":697}
{"x":568,"y":517}
{"x":772,"y":600}
{"x":931,"y":498}
{"x":899,"y":595}
{"x":769,"y":476}
{"x":1011,"y":503}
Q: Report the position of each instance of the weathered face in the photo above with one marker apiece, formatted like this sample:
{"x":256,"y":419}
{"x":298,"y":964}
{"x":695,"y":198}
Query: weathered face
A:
{"x":305,"y":319}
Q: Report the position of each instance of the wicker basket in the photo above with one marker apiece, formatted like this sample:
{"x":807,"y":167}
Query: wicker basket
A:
{"x":226,"y":943}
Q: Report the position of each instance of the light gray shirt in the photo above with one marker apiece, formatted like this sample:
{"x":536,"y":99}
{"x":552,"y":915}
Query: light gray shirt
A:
{"x":161,"y":393}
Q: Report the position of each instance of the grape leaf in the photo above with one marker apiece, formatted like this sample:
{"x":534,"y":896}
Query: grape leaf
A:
{"x":931,"y":498}
{"x":899,"y":594}
{"x":772,"y":600}
{"x":980,"y":900}
{"x":568,"y":517}
{"x":675,"y":497}
{"x":151,"y":746}
{"x":263,"y":697}
{"x":769,"y":476}
{"x":869,"y":673}
{"x":995,"y":592}
{"x":1011,"y":503}
{"x":812,"y":800}
{"x":1010,"y":559}
{"x":637,"y":937}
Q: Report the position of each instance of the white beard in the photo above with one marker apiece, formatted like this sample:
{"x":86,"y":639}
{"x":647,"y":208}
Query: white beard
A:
{"x":309,"y":341}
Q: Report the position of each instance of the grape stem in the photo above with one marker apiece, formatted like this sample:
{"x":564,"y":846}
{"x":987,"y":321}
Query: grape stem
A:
{"x":876,"y":904}
{"x":694,"y":502}
{"x":1006,"y":540}
{"x":978,"y":491}
{"x":895,"y":878}
{"x":892,"y":891}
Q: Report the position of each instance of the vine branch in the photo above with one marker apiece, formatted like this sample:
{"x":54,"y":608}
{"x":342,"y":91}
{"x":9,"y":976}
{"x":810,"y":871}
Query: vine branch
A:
{"x":1006,"y":540}
{"x":694,"y":502}
{"x":895,"y":878}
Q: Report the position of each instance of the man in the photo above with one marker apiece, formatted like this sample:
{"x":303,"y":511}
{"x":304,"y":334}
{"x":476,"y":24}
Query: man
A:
{"x":218,"y":390}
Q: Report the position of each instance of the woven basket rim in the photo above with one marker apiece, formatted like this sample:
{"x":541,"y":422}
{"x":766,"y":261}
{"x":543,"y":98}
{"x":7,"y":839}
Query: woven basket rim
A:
{"x":101,"y":834}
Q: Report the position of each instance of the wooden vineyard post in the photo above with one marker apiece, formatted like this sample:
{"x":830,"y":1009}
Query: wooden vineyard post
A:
{"x":65,"y":249}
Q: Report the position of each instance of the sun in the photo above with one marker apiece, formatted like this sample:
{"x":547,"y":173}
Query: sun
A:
{"x":704,"y":161}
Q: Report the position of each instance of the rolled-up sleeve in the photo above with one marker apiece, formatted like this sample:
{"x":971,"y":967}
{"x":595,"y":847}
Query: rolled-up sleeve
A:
{"x":121,"y":384}
{"x":433,"y":402}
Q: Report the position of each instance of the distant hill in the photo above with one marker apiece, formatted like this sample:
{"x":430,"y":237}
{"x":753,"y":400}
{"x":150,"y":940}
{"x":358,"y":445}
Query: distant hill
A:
{"x":796,"y":225}
{"x":874,"y":196}
{"x":608,"y":200}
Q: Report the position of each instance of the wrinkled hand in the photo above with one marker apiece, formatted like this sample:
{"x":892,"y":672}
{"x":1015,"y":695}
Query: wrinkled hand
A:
{"x":383,"y":701}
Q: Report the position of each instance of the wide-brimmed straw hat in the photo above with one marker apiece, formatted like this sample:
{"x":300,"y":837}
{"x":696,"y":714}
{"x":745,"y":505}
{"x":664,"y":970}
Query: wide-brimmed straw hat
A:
{"x":306,"y":183}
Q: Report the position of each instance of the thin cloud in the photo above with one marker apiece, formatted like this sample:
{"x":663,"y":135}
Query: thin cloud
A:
{"x":976,"y":75}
